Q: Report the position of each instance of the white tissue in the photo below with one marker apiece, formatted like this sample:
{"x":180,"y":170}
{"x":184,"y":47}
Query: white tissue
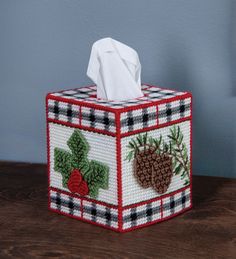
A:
{"x":115,"y":68}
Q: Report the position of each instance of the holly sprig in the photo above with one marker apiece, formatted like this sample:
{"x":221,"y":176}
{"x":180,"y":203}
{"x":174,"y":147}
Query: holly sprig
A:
{"x":94,"y":172}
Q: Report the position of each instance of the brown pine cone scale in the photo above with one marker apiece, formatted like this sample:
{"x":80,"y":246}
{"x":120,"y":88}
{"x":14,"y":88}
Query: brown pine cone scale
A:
{"x":162,"y":174}
{"x":143,"y":167}
{"x":152,"y":169}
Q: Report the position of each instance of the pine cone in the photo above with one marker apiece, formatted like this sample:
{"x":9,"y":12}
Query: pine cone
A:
{"x":143,"y":167}
{"x":162,"y":173}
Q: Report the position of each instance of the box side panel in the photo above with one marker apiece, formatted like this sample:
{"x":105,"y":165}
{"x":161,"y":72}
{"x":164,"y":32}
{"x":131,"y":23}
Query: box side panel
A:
{"x":135,"y":189}
{"x":102,"y":149}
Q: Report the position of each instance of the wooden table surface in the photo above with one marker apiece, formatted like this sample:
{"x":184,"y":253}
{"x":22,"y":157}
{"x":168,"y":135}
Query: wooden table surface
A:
{"x":29,"y":230}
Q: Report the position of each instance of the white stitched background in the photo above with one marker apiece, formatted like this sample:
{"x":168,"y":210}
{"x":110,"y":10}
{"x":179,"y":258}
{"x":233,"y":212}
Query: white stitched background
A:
{"x":102,"y":148}
{"x":132,"y":191}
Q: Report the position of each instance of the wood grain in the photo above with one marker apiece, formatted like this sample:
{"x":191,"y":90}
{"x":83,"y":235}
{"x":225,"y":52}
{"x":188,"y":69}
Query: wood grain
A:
{"x":29,"y":230}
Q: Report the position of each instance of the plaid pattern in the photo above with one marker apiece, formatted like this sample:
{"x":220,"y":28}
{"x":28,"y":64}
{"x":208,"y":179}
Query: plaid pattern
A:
{"x":65,"y":203}
{"x":176,"y":203}
{"x":138,"y":119}
{"x":90,"y":211}
{"x":131,"y":217}
{"x":141,"y":214}
{"x":63,"y":111}
{"x":98,"y":119}
{"x":88,"y":95}
{"x":172,"y":111}
{"x":154,"y":211}
{"x":100,"y":214}
{"x":82,"y":93}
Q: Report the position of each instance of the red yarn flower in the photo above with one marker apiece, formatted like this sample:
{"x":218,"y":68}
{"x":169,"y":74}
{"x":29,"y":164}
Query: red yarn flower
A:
{"x":76,"y":184}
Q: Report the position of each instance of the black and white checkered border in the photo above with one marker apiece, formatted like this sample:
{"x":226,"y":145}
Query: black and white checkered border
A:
{"x":156,"y":210}
{"x":176,"y":203}
{"x":98,"y":119}
{"x":81,"y":94}
{"x":140,"y":215}
{"x":138,"y":119}
{"x":62,"y":111}
{"x":65,"y":203}
{"x":100,"y":214}
{"x":175,"y":110}
{"x":88,"y":95}
{"x":92,"y":118}
{"x":84,"y":209}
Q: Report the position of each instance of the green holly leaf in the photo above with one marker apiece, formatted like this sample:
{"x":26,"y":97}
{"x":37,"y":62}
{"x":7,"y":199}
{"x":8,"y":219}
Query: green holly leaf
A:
{"x":80,"y":163}
{"x":93,"y":191}
{"x":62,"y":164}
{"x":96,"y":177}
{"x":78,"y":145}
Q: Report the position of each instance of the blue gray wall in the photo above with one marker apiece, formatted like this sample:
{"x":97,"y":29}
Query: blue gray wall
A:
{"x":184,"y":44}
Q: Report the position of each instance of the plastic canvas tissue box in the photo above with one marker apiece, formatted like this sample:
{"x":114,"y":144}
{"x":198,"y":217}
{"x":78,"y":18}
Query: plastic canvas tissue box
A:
{"x":119,"y":153}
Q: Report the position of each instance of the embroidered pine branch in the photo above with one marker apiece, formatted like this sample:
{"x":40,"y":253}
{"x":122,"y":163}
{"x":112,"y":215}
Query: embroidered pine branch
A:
{"x":179,"y":152}
{"x":151,"y":154}
{"x":143,"y":142}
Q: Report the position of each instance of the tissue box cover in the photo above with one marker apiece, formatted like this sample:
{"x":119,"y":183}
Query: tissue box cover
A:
{"x":119,"y":164}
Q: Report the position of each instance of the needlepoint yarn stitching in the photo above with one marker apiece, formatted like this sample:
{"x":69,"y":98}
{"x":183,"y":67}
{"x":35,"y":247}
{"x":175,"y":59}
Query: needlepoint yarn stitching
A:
{"x":155,"y":161}
{"x":79,"y":174}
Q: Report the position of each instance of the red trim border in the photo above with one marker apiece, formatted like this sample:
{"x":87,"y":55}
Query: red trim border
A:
{"x":119,"y":170}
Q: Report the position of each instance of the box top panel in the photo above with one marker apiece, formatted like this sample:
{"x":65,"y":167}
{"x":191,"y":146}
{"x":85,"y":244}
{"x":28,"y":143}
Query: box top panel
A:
{"x":87,"y":96}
